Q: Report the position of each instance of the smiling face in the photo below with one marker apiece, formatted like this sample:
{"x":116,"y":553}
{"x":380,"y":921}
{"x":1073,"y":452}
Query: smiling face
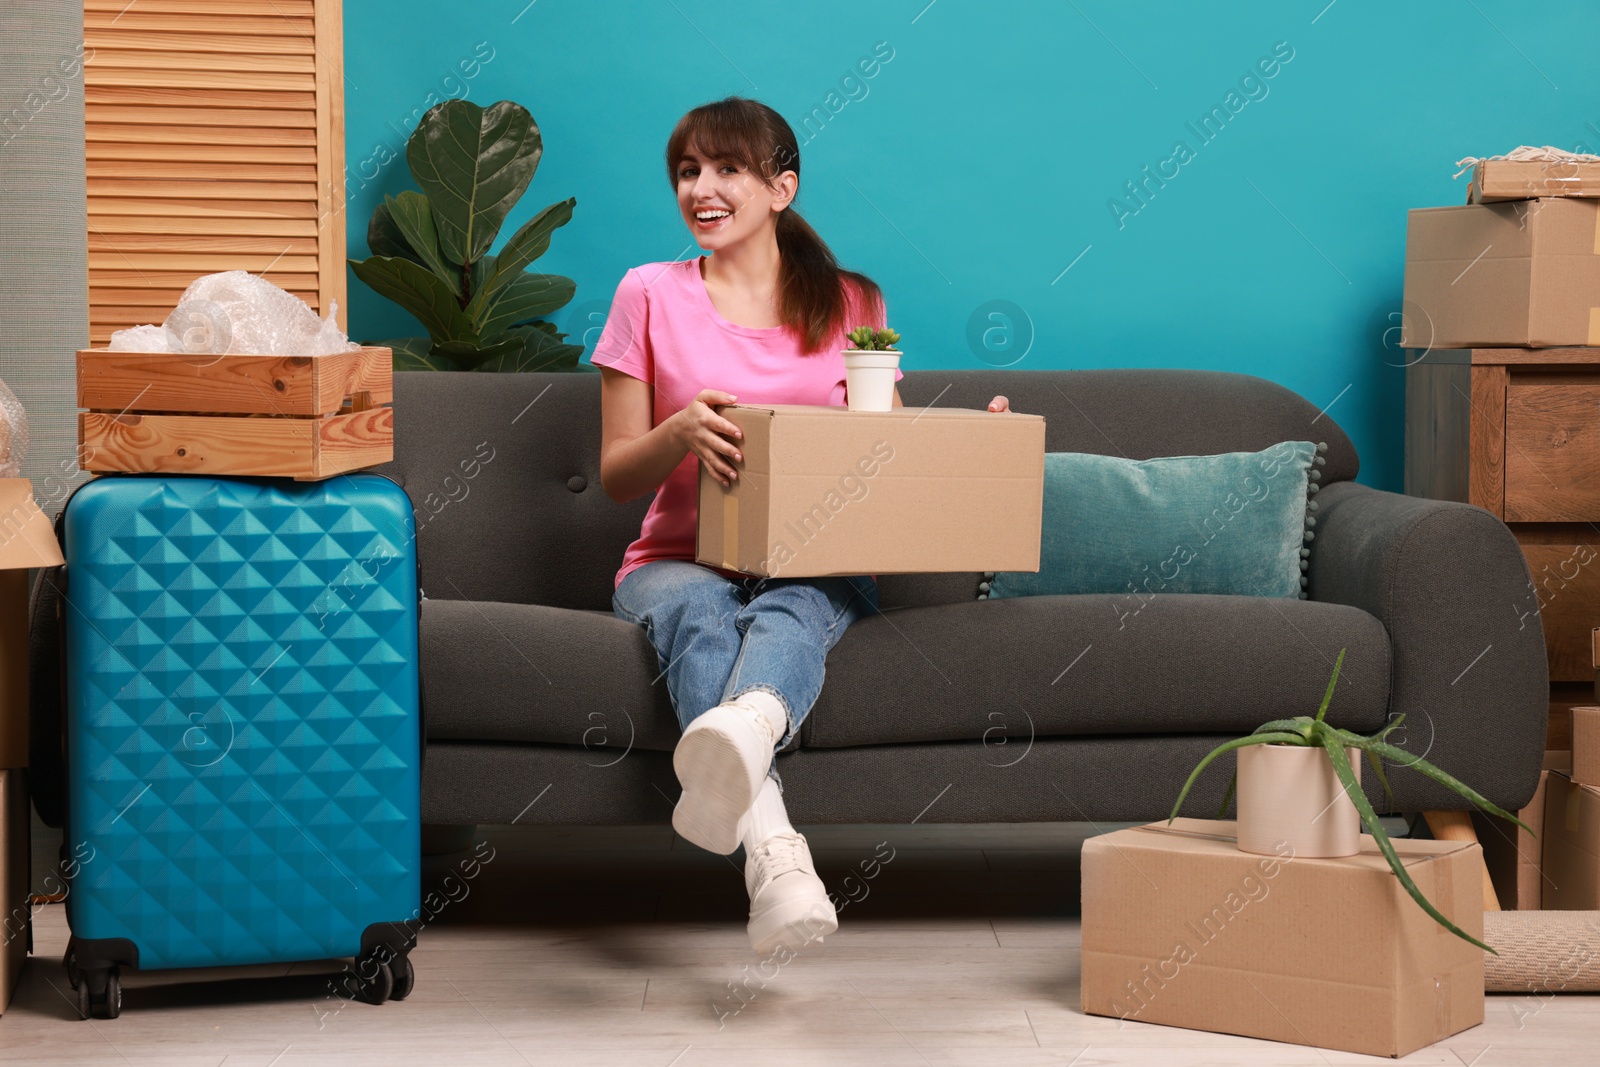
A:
{"x":724,"y":203}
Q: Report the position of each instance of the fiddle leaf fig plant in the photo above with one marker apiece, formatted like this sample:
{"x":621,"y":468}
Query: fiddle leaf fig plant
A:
{"x":1315,"y":732}
{"x":430,"y":248}
{"x":868,"y":339}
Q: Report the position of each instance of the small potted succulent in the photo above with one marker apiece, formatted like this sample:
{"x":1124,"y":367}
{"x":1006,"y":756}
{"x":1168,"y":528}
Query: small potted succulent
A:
{"x":1303,"y":741}
{"x":869,"y":368}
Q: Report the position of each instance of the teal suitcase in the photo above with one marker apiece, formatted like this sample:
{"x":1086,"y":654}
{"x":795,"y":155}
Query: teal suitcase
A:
{"x":241,"y":727}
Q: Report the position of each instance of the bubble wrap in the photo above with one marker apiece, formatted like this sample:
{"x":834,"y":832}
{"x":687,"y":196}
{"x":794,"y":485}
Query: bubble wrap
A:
{"x":13,"y":433}
{"x":140,"y":339}
{"x":237,"y":313}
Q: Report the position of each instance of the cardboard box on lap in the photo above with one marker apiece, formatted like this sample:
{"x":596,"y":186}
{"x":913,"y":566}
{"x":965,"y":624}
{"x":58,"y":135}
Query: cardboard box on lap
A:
{"x":1518,"y":273}
{"x":1183,"y":929}
{"x":827,"y":491}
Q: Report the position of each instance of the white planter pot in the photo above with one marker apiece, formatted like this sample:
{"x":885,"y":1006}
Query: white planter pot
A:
{"x":869,"y":379}
{"x":1289,"y":797}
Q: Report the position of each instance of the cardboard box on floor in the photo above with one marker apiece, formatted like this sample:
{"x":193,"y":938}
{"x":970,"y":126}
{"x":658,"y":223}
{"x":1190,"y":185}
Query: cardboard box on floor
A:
{"x":827,"y":491}
{"x":1571,"y":845}
{"x":1183,"y":929}
{"x":26,"y":540}
{"x":17,"y":928}
{"x":1514,"y":859}
{"x":1518,"y":273}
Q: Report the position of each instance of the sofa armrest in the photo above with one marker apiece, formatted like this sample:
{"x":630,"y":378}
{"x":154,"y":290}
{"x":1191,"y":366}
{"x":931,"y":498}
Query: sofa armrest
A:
{"x":1452,"y":587}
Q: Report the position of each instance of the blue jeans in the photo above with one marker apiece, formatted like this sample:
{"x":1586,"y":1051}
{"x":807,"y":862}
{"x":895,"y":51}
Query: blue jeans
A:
{"x":717,"y":639}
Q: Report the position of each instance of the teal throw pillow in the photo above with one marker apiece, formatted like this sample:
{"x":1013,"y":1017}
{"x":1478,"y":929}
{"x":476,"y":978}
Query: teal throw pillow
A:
{"x":1233,"y":524}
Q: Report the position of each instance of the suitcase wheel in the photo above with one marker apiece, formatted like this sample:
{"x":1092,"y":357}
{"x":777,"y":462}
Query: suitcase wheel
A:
{"x":374,"y":981}
{"x":107,"y":1001}
{"x":111,"y":1002}
{"x":404,"y":977}
{"x":70,"y":962}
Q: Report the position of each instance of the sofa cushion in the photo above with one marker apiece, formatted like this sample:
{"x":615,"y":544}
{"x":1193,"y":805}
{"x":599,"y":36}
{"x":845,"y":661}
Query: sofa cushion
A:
{"x":1233,"y":523}
{"x":520,"y":672}
{"x":1098,"y":664}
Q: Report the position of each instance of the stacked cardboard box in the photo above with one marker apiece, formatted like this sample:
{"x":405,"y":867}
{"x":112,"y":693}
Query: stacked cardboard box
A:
{"x":1182,"y":928}
{"x":26,"y":540}
{"x":1512,"y":273}
{"x":1502,"y":314}
{"x":1570,"y":875}
{"x":1513,"y":857}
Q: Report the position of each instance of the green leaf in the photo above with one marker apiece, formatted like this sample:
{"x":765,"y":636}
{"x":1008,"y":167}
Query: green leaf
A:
{"x":1383,"y":778}
{"x":1394,"y":724}
{"x":480,"y":275}
{"x":1406,"y":759}
{"x":528,"y":297}
{"x":414,"y":218}
{"x":526,"y":245}
{"x":1335,"y":745}
{"x":473,"y":163}
{"x":1327,"y":697}
{"x":412,"y":353}
{"x":1233,"y":783}
{"x":472,"y":356}
{"x":1300,"y":724}
{"x":1229,"y":746}
{"x":541,"y":350}
{"x":421,"y":292}
{"x":384,"y":237}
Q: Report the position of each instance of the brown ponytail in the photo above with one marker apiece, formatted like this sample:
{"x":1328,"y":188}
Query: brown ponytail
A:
{"x":813,"y":300}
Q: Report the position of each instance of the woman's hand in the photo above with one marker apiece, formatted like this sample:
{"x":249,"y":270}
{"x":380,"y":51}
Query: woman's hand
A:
{"x":999,"y":403}
{"x":705,"y":433}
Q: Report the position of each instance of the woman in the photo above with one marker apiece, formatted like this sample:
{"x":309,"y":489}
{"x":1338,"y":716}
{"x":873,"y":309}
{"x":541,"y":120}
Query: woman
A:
{"x":763,"y":319}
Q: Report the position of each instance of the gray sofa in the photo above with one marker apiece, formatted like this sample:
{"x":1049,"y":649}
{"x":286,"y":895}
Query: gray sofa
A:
{"x":543,"y":707}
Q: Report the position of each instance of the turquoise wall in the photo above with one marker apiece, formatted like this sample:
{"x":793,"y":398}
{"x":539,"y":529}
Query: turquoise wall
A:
{"x":990,"y":152}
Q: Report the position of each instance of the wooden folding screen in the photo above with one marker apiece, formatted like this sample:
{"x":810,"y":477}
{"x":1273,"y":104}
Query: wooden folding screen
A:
{"x":215,"y":141}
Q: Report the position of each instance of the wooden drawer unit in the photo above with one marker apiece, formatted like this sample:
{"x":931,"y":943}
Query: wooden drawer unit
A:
{"x":1516,"y":431}
{"x":1552,"y":452}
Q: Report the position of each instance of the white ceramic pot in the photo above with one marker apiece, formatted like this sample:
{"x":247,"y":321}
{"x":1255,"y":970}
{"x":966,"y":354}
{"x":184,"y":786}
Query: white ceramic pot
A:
{"x":1290,"y":797}
{"x":869,"y":379}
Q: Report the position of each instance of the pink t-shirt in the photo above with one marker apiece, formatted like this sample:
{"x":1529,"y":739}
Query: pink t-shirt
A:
{"x":663,"y":329}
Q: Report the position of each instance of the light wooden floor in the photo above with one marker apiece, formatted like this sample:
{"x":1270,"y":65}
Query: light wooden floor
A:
{"x":618,"y":945}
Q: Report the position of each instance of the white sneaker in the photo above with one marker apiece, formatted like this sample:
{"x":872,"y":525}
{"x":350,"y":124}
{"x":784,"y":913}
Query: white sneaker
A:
{"x":788,"y":903}
{"x":721,"y":761}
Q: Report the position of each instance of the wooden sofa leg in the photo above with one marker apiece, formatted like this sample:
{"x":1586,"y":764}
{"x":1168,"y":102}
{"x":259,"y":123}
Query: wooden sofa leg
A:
{"x":1457,"y":826}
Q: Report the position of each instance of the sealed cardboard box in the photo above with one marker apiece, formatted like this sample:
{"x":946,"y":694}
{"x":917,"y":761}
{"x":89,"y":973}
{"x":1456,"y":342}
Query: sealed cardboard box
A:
{"x":14,"y":856}
{"x":1571,"y":845}
{"x":827,"y":491}
{"x":1524,"y":179}
{"x":26,"y":540}
{"x":1515,"y":859}
{"x":1183,"y":929}
{"x":1586,"y":746}
{"x":1522,"y":273}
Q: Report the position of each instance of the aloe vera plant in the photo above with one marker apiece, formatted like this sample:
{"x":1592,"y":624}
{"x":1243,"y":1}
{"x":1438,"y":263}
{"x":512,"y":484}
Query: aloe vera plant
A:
{"x":1315,"y":732}
{"x":868,"y":339}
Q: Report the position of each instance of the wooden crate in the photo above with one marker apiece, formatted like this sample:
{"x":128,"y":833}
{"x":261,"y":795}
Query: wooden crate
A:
{"x":303,"y":417}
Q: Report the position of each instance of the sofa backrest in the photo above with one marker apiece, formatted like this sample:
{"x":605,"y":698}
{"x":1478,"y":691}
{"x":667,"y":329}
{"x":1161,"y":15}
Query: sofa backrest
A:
{"x":504,"y":469}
